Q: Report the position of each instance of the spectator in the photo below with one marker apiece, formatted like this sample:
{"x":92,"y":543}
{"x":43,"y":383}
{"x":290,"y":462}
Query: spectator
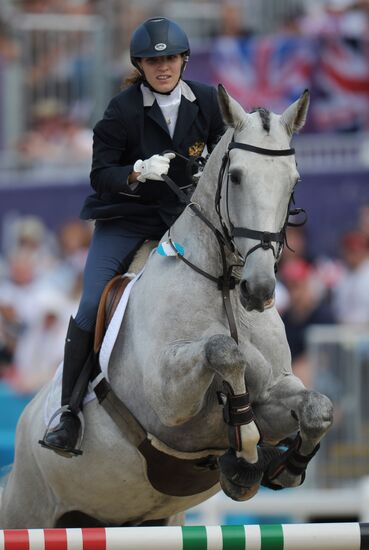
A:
{"x":18,"y":300}
{"x":297,"y":246}
{"x":232,"y":19}
{"x":9,"y":49}
{"x":40,"y":347}
{"x":55,"y":139}
{"x":363,"y":224}
{"x":29,"y":235}
{"x":351,"y":295}
{"x":73,"y":238}
{"x":8,"y":338}
{"x":75,"y":7}
{"x":306,"y":307}
{"x":32,"y":319}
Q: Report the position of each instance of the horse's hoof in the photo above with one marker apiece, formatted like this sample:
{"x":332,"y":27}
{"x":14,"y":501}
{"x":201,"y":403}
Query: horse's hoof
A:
{"x":239,"y":479}
{"x":236,"y":492}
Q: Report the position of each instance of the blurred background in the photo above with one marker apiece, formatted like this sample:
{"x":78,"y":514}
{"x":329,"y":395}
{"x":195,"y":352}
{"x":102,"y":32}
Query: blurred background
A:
{"x":60,"y":63}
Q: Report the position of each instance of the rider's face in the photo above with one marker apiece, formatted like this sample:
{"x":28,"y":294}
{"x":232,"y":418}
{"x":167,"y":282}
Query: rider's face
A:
{"x":163,"y":72}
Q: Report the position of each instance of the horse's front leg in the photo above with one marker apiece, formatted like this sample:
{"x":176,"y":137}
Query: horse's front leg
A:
{"x":297,"y":409}
{"x":178,"y":385}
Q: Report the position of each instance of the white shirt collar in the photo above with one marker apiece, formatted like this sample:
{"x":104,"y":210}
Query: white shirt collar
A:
{"x":172,"y":99}
{"x":149,"y":97}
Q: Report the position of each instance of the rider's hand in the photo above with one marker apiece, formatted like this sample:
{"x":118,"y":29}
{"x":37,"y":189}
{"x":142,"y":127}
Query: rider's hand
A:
{"x":153,"y":168}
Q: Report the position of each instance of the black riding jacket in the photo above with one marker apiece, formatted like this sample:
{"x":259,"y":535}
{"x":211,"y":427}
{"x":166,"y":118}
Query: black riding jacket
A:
{"x":133,"y":127}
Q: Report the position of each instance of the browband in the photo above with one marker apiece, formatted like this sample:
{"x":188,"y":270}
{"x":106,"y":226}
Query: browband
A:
{"x":261,"y":150}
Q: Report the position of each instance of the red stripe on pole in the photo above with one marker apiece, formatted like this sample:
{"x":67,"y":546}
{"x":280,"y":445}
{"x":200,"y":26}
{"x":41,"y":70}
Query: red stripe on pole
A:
{"x":16,"y":540}
{"x":94,"y":538}
{"x":55,"y":539}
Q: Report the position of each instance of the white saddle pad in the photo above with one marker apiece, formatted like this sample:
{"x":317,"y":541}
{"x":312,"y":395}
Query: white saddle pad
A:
{"x":52,"y":403}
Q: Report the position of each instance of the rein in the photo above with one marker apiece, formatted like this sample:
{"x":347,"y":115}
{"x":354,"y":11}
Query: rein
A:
{"x":227,"y":282}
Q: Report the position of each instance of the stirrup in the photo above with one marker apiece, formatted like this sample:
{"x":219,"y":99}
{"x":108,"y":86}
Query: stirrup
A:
{"x":67,"y":453}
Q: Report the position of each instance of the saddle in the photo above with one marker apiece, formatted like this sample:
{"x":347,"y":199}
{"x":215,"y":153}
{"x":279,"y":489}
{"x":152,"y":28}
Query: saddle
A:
{"x":113,"y":292}
{"x":108,"y":304}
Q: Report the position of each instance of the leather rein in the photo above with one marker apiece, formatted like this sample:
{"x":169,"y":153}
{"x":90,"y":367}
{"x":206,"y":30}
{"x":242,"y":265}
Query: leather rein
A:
{"x":227,"y":282}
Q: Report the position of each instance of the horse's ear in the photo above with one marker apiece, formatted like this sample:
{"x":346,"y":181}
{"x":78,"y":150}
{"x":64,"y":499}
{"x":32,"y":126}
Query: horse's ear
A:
{"x":294,"y":116}
{"x":232,"y":112}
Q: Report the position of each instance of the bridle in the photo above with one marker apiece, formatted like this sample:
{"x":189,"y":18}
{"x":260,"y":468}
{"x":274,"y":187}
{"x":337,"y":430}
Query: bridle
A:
{"x":265,"y":238}
{"x":226,"y":237}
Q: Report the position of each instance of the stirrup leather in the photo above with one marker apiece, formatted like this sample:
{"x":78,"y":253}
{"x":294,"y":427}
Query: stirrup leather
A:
{"x":67,"y":453}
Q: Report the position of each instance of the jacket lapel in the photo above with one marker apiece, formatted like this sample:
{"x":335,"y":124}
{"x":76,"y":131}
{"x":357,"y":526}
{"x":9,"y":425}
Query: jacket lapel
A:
{"x":157,"y":116}
{"x":187,"y":113}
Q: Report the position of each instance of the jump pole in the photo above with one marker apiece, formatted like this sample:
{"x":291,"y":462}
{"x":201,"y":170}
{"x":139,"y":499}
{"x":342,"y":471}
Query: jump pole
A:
{"x":313,"y":536}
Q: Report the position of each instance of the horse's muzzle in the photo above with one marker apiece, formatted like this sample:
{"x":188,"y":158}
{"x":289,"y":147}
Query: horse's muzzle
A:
{"x":257,"y":296}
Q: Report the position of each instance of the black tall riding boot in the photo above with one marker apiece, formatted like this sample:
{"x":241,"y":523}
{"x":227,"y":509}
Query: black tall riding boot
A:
{"x":77,"y":350}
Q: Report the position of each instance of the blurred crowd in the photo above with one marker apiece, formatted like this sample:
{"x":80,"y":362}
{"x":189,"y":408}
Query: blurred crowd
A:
{"x":321,"y":290}
{"x":41,"y":278}
{"x":40,"y":285}
{"x":60,"y":82}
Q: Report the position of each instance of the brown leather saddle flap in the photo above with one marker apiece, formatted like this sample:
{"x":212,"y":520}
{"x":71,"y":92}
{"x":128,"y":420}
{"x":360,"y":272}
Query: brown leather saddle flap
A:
{"x":108,"y":304}
{"x":177,"y":476}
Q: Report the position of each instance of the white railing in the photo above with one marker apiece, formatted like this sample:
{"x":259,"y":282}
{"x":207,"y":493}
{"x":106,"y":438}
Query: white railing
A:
{"x":62,"y":58}
{"x":339,"y":363}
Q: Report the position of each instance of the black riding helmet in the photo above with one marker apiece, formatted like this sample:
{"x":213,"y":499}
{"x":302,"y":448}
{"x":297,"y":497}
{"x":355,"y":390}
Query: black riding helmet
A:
{"x":157,"y":37}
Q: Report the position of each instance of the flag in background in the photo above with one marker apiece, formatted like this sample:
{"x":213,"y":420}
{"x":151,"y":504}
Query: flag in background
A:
{"x":342,"y":85}
{"x":264,"y":71}
{"x":273,"y":71}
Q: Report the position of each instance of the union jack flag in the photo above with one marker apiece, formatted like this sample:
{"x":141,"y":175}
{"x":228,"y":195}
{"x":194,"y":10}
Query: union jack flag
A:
{"x":269,"y":72}
{"x":342,"y":85}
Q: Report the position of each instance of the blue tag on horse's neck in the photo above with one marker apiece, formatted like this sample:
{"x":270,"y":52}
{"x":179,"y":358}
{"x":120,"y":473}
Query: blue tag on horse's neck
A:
{"x":166,"y":249}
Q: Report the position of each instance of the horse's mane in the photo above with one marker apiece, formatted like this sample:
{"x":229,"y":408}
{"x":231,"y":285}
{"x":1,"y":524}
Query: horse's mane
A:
{"x":265,"y":117}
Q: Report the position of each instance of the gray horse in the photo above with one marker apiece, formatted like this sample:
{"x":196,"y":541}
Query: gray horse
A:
{"x":198,"y":333}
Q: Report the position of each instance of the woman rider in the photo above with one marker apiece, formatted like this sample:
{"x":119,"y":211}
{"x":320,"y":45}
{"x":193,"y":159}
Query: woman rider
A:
{"x":157,"y":112}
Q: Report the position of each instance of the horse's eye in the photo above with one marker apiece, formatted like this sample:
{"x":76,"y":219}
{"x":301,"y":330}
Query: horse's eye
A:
{"x":235,"y":177}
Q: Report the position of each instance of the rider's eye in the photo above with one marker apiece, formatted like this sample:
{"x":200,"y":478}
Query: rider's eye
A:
{"x":235,"y":177}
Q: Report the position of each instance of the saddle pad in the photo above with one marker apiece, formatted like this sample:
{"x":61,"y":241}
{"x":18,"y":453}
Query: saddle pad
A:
{"x":52,"y":402}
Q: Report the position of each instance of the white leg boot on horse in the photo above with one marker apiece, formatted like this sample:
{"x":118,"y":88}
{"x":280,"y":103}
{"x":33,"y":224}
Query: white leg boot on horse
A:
{"x":77,"y":352}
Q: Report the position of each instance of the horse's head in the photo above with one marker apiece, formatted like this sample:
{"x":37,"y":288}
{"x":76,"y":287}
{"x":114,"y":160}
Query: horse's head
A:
{"x":256,"y":188}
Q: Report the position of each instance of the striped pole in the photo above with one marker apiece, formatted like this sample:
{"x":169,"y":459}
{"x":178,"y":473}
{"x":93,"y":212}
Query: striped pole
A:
{"x":318,"y":536}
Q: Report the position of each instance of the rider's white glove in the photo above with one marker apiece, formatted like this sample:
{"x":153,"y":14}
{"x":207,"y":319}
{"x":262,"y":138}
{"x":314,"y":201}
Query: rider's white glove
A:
{"x":153,"y":167}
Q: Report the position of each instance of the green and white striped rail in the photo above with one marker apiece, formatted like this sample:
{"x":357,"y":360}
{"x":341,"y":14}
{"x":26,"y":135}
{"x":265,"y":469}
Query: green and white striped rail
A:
{"x":314,"y":536}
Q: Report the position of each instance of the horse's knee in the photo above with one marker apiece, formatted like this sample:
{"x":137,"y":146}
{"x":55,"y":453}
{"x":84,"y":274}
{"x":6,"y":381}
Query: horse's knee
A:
{"x":315,"y":414}
{"x":221,"y":350}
